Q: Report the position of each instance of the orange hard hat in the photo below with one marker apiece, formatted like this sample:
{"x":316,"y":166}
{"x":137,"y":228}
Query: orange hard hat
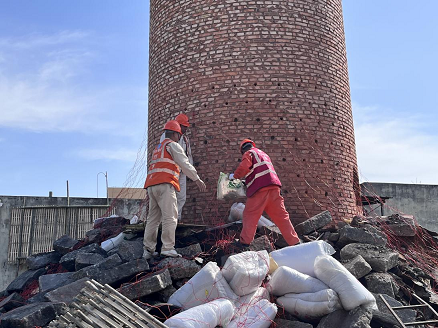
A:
{"x":173,"y":126}
{"x":183,"y":120}
{"x":245,"y":141}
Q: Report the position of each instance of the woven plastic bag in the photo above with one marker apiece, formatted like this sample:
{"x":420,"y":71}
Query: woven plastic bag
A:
{"x":216,"y":313}
{"x":350,"y":290}
{"x":229,"y":189}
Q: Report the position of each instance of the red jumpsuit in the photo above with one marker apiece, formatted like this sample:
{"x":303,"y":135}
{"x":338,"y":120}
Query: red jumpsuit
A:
{"x":266,"y":199}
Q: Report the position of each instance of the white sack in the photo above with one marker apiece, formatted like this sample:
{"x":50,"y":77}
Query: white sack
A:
{"x":302,"y":257}
{"x":245,"y":302}
{"x":286,"y":280}
{"x":351,"y":292}
{"x":310,"y":305}
{"x":215,"y":313}
{"x":205,"y":286}
{"x":236,"y":214}
{"x":245,"y":271}
{"x":319,"y":296}
{"x":260,"y":315}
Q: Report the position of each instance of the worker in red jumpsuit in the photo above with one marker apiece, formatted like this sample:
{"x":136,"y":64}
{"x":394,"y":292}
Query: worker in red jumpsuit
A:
{"x":263,"y":194}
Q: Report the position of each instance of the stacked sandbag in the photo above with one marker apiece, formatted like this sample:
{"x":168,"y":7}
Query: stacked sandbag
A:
{"x":302,"y":257}
{"x":259,"y":315}
{"x":246,"y":271}
{"x":216,"y":313}
{"x":286,"y":280}
{"x":244,"y":303}
{"x":351,"y":292}
{"x":205,"y":286}
{"x":310,"y":305}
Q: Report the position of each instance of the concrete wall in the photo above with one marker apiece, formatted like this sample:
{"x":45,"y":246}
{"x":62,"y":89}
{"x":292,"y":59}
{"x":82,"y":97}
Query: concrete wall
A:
{"x":421,"y":201}
{"x":123,"y":207}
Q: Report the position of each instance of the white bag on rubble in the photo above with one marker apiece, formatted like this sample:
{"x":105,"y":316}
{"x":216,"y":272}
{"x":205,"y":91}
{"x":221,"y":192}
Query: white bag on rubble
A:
{"x":245,"y":302}
{"x":259,"y":315}
{"x":245,"y":271}
{"x":302,"y":257}
{"x":229,"y":189}
{"x":286,"y":280}
{"x":310,"y":305}
{"x":236,"y":214}
{"x":216,"y":313}
{"x":351,"y":292}
{"x":205,"y":286}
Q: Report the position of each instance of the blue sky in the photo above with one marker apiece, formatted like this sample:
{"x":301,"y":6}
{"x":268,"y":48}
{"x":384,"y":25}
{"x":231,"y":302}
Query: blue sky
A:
{"x":73,"y":92}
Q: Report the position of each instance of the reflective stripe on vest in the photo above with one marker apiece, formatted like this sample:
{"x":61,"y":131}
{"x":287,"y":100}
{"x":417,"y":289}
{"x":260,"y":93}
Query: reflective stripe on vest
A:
{"x":262,"y":173}
{"x":162,"y":168}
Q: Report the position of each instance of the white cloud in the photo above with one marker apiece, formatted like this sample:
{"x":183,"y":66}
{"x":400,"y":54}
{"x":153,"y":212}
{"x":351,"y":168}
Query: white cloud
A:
{"x":120,"y":154}
{"x":54,"y":91}
{"x":394,"y":147}
{"x":39,"y":40}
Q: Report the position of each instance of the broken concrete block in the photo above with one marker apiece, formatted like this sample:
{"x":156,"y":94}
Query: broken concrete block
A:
{"x":358,"y":267}
{"x":359,"y":317}
{"x":406,"y":315}
{"x":100,"y":270}
{"x":65,"y":244}
{"x":86,"y":259}
{"x":129,"y":250}
{"x":381,"y":259}
{"x":124,"y":271}
{"x":179,"y":268}
{"x":66,"y":293}
{"x":190,"y":251}
{"x":381,"y":283}
{"x":38,"y":298}
{"x":68,"y":261}
{"x":260,"y":244}
{"x":12,"y":301}
{"x":333,"y":237}
{"x":111,"y":222}
{"x":381,"y":319}
{"x":364,"y":235}
{"x":163,"y":295}
{"x":147,"y":285}
{"x":20,"y":283}
{"x":41,"y":260}
{"x":49,"y":282}
{"x":273,"y":233}
{"x":32,"y":315}
{"x":314,"y":223}
{"x":402,"y":225}
{"x":282,"y":323}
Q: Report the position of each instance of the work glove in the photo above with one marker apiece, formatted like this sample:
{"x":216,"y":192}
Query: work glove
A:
{"x":231,"y":176}
{"x":201,"y":185}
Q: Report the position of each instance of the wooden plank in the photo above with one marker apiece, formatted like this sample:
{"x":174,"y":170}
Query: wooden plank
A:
{"x":133,"y":310}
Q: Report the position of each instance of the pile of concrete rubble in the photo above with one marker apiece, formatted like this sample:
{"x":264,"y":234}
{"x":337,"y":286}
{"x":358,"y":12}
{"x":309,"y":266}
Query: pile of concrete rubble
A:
{"x":344,"y":274}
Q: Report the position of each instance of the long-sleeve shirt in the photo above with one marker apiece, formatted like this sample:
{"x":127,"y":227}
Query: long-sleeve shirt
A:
{"x":244,"y":166}
{"x":184,"y":143}
{"x":180,"y":158}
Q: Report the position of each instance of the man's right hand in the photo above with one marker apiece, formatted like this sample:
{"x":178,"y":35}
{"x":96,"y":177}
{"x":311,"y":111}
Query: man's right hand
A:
{"x":201,"y":185}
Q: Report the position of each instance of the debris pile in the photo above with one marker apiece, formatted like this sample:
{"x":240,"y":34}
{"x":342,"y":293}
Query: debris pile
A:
{"x":344,"y":274}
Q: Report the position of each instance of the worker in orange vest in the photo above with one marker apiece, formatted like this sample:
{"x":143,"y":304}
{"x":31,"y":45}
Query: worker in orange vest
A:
{"x":184,"y":142}
{"x":162,"y":183}
{"x":263,"y":194}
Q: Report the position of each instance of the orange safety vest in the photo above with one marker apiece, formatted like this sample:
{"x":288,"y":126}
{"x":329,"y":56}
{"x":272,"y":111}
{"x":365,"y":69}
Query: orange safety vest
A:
{"x":162,"y":168}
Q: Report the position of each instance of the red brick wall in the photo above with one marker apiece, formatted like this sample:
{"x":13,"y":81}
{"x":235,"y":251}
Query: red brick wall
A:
{"x":271,"y":70}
